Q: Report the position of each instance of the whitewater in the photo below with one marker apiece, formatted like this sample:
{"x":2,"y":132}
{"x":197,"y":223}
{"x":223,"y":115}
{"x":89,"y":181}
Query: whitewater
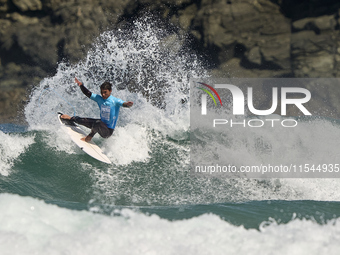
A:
{"x":55,"y":199}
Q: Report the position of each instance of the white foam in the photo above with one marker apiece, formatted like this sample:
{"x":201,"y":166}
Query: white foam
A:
{"x":158,"y":85}
{"x":11,"y":147}
{"x":59,"y":140}
{"x":154,"y":72}
{"x":320,"y":189}
{"x":129,"y":143}
{"x":29,"y":226}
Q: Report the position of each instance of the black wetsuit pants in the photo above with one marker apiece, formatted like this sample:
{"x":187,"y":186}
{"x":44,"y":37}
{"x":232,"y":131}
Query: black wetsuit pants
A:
{"x":96,"y":126}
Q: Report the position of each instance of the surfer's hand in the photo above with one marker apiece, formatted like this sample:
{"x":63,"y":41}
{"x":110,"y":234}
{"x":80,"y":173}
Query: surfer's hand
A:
{"x":128,"y":104}
{"x":78,"y":82}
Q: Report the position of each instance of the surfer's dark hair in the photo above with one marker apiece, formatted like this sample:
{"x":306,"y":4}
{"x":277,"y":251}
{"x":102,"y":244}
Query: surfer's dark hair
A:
{"x":106,"y":85}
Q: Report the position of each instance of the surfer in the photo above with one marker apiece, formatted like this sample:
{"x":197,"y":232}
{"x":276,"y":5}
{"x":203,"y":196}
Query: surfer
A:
{"x":109,"y":110}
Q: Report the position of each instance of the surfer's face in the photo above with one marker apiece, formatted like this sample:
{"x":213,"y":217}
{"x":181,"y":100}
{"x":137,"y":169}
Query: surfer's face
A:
{"x":105,"y":93}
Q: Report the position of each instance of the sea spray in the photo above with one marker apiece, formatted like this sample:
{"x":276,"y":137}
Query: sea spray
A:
{"x":147,"y":201}
{"x":144,"y":63}
{"x":150,"y":147}
{"x":11,"y":147}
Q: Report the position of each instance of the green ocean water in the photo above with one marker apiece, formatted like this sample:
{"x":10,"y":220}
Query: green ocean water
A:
{"x":75,"y":181}
{"x":55,"y":199}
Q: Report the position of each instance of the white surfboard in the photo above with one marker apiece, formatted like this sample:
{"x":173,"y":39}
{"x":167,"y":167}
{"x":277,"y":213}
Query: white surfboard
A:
{"x":76,"y":133}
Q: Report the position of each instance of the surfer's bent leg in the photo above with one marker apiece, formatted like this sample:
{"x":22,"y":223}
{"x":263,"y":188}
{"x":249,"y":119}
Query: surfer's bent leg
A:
{"x":102,"y":129}
{"x":96,"y":126}
{"x":87,"y":122}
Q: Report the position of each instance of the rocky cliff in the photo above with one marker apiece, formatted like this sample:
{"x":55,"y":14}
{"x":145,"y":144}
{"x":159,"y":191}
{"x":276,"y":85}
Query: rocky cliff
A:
{"x":237,"y":38}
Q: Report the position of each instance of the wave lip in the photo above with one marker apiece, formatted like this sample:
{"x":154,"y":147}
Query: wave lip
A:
{"x":11,"y":147}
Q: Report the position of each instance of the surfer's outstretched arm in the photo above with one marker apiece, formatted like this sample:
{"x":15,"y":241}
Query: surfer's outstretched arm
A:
{"x":128,"y":104}
{"x":83,"y":88}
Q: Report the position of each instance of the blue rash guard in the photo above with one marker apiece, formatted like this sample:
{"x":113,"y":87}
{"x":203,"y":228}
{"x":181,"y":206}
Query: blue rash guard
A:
{"x":109,"y":109}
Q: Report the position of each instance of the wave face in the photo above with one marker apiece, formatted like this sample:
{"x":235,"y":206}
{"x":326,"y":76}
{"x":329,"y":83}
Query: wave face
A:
{"x":150,"y":146}
{"x":150,"y":151}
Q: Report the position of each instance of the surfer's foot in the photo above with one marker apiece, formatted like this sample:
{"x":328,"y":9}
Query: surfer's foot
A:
{"x":86,"y":139}
{"x":65,"y":117}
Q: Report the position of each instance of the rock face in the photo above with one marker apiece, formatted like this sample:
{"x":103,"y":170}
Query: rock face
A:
{"x":238,"y":38}
{"x":253,"y":35}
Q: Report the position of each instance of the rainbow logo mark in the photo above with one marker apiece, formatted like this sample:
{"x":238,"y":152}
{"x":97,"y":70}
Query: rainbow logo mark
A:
{"x":209,"y":93}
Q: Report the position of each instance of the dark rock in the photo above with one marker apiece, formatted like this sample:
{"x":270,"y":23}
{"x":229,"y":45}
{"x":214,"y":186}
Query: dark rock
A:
{"x":313,"y":55}
{"x":4,"y":5}
{"x":12,"y":101}
{"x":238,"y":38}
{"x":243,"y":28}
{"x":28,"y":5}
